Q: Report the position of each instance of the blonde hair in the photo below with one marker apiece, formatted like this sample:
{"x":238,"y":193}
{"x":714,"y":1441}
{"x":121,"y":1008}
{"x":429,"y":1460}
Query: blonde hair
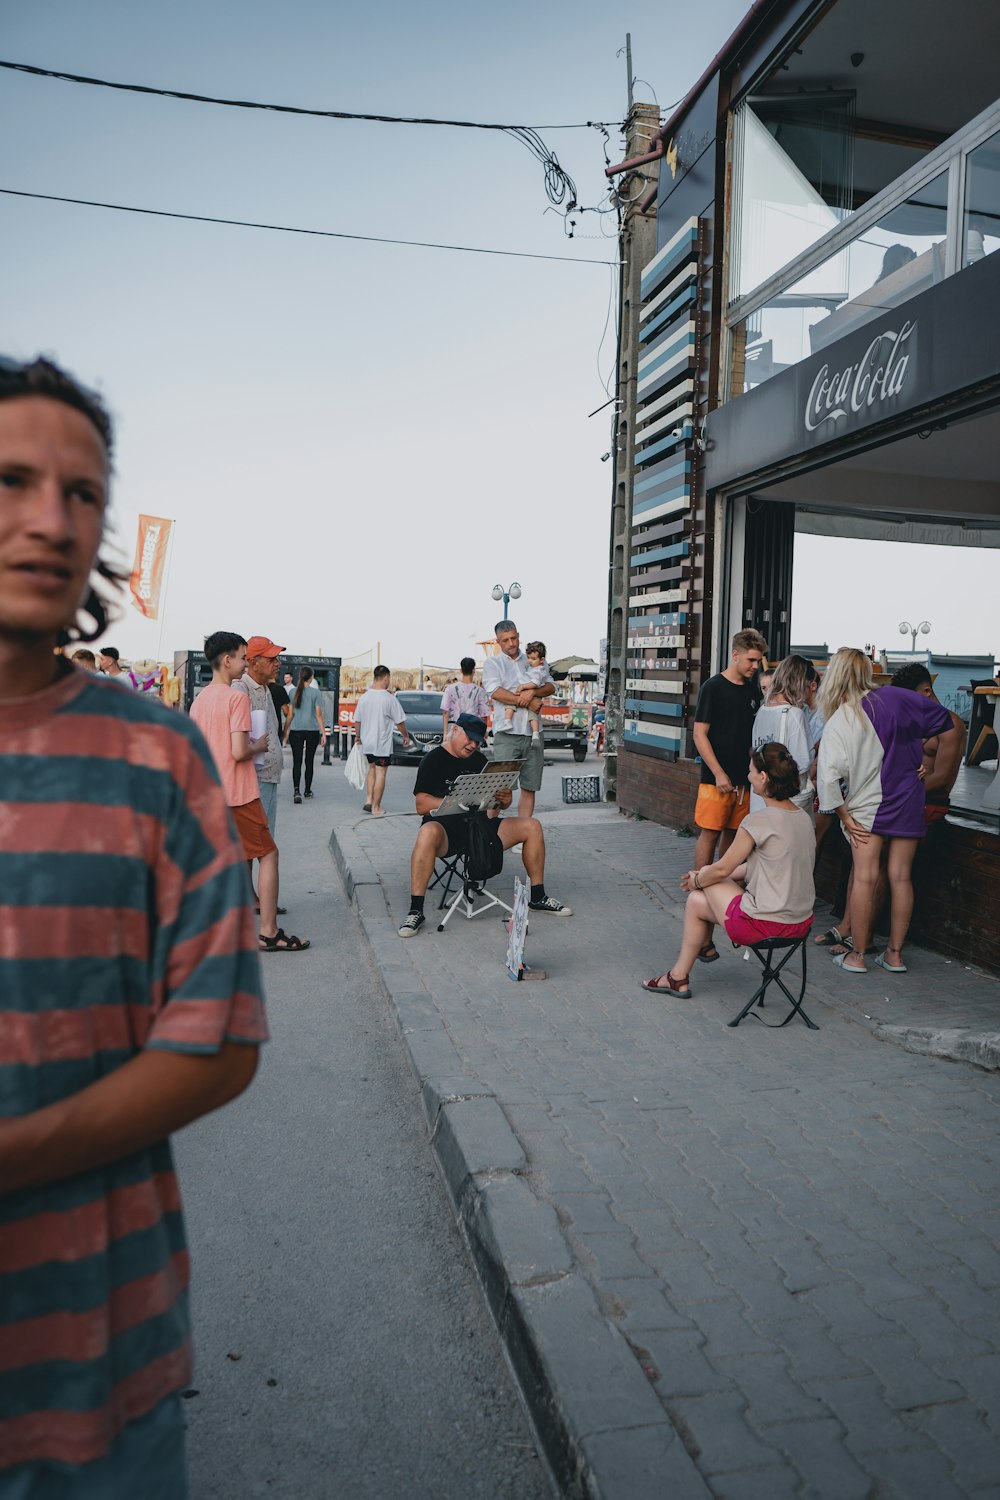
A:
{"x":791,"y":679}
{"x":846,"y":681}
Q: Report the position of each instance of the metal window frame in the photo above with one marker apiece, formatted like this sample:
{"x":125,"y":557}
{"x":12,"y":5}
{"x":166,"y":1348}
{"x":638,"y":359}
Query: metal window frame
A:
{"x":950,"y":156}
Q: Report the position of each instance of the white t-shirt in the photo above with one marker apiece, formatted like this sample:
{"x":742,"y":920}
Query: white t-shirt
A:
{"x":783,"y":725}
{"x":374,"y":717}
{"x":510,"y":674}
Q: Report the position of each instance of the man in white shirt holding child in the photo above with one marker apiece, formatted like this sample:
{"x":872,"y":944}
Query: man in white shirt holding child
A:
{"x":516,"y":699}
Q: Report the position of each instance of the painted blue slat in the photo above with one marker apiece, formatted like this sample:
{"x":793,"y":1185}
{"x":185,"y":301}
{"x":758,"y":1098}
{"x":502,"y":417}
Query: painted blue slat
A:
{"x":653,"y":279}
{"x":666,"y":469}
{"x":650,"y":502}
{"x":672,"y":341}
{"x":664,"y":710}
{"x":676,"y":549}
{"x":667,"y":314}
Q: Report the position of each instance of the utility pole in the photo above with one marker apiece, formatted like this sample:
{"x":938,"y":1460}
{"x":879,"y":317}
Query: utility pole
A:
{"x":637,"y":242}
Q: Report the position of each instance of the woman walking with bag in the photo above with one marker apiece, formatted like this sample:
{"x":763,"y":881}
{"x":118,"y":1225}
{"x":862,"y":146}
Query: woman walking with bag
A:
{"x":301,"y":733}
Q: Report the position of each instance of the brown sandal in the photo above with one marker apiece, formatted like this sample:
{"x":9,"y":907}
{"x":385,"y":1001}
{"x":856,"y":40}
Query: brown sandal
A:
{"x":282,"y":942}
{"x":678,"y":987}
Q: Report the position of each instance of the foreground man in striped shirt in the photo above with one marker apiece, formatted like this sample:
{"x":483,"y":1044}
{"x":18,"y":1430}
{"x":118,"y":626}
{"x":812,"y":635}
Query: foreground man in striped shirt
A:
{"x":130,"y":1000}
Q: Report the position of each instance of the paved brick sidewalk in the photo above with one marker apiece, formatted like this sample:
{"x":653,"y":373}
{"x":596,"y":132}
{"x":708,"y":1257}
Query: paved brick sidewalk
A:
{"x":723,"y":1262}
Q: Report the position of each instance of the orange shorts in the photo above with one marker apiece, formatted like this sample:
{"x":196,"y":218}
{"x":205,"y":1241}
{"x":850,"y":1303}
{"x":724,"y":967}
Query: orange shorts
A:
{"x":251,"y":825}
{"x":716,"y":810}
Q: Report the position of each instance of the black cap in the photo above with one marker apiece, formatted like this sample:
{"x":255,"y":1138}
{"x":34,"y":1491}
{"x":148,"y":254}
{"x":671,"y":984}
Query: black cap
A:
{"x":474,"y":727}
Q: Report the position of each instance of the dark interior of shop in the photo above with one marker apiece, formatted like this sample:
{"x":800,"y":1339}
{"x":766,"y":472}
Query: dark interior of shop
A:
{"x":902,"y":90}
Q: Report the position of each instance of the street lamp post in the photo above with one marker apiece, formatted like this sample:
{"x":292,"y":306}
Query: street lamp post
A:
{"x":924,"y":628}
{"x":499,"y":592}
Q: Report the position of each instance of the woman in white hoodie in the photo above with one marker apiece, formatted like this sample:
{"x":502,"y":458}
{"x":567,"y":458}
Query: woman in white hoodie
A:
{"x":870,"y":776}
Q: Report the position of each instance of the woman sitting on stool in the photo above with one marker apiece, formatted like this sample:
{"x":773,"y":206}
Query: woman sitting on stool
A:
{"x":762,"y":887}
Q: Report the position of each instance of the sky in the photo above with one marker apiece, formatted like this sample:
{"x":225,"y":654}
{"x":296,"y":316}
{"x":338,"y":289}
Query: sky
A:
{"x":356,"y":441}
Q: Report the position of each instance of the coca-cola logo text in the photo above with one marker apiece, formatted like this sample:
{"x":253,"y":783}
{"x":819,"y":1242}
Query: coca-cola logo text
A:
{"x":878,"y":375}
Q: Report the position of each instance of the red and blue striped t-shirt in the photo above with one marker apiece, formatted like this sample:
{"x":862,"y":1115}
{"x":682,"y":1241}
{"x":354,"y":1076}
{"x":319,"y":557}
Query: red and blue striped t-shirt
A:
{"x":124,"y":924}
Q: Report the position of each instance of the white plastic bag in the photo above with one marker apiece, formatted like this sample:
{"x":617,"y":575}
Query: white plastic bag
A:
{"x":356,"y":769}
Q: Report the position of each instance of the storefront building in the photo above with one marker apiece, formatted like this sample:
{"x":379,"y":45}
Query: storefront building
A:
{"x":818,"y":351}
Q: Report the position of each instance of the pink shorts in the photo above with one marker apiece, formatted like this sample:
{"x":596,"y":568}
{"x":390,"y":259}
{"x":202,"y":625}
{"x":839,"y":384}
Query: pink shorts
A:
{"x":744,"y":930}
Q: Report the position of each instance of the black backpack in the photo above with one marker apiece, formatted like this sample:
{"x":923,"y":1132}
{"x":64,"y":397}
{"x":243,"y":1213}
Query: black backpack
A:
{"x":485,"y":849}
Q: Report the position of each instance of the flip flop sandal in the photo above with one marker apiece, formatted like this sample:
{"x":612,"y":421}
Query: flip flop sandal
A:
{"x":678,"y":987}
{"x":708,"y":954}
{"x":839,"y":961}
{"x":282,"y":942}
{"x":882,"y":959}
{"x":831,"y":939}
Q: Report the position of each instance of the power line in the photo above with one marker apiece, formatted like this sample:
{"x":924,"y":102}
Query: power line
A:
{"x":285,"y":109}
{"x":558,"y":183}
{"x":326,"y":234}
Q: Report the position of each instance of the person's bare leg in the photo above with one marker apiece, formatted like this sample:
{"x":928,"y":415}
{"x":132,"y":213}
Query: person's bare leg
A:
{"x":702,"y":910}
{"x":725,"y":840}
{"x":866,"y":862}
{"x":844,"y":925}
{"x":378,"y":787}
{"x":431,"y":841}
{"x":882,"y":884}
{"x":370,"y":786}
{"x":528,"y":833}
{"x":267,"y":889}
{"x":704,"y":849}
{"x":526,"y":804}
{"x":902,"y":853}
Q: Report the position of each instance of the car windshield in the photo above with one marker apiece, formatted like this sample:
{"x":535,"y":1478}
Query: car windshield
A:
{"x":419,"y":703}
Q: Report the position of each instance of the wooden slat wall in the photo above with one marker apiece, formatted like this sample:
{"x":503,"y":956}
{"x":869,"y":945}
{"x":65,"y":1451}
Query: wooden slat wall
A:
{"x":662,"y":566}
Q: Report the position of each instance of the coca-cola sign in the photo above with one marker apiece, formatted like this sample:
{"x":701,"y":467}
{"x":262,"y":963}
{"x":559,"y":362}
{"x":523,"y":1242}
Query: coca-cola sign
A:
{"x":877,"y":376}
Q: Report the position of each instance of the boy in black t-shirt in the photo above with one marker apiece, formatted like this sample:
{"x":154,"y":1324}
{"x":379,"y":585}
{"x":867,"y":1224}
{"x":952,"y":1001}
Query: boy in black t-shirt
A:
{"x":461,"y":755}
{"x":727,"y":706}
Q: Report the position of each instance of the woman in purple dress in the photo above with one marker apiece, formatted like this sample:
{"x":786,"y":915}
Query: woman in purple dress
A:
{"x":870,"y":776}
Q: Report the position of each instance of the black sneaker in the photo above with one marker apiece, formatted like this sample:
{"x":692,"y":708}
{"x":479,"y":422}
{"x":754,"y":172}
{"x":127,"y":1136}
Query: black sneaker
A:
{"x":553,"y":908}
{"x":412,"y":925}
{"x":308,"y":794}
{"x":297,"y":797}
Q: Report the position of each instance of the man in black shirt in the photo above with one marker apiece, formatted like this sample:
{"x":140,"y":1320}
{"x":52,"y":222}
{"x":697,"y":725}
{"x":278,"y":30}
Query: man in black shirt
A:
{"x":727,"y":707}
{"x":461,"y":755}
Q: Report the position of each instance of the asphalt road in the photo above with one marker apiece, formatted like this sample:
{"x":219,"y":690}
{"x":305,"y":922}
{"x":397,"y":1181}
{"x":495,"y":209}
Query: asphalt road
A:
{"x":342,"y":1346}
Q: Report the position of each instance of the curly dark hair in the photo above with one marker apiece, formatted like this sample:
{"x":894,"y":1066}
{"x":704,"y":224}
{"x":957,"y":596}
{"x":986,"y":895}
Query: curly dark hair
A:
{"x":912,"y":676}
{"x":783,"y":779}
{"x":41,"y":377}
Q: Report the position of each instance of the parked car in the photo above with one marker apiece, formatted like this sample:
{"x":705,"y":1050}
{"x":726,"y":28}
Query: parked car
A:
{"x":423,"y":721}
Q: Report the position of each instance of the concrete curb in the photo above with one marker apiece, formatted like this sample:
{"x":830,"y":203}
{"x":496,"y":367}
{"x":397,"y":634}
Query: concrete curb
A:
{"x":956,"y":1043}
{"x":600,"y":1425}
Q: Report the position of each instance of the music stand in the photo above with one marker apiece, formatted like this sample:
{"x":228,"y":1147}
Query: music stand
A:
{"x":467,"y":798}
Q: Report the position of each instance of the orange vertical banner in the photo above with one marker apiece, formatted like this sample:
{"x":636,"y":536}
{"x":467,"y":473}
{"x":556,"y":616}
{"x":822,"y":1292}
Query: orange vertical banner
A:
{"x":146,"y":582}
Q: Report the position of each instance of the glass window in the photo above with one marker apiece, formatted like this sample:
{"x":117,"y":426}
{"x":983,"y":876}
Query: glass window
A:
{"x":982,"y":201}
{"x":794,"y":170}
{"x":889,"y":262}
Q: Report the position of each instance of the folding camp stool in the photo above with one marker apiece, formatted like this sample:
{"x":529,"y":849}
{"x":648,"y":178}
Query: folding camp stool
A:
{"x":764,"y":953}
{"x":450,"y":871}
{"x":472,"y":890}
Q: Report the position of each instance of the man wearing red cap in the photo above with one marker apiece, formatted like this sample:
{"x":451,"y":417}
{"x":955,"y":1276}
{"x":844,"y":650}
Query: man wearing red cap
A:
{"x":263,"y":661}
